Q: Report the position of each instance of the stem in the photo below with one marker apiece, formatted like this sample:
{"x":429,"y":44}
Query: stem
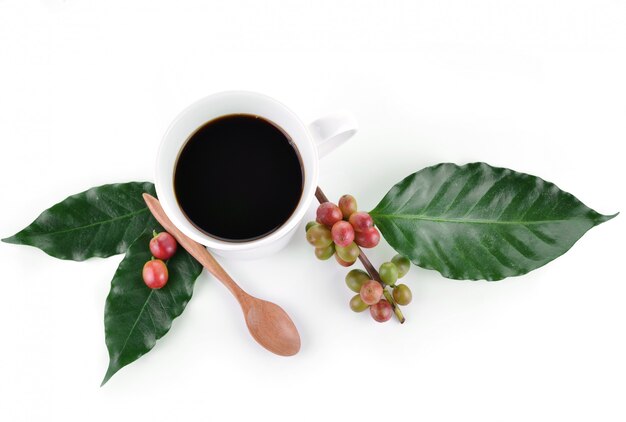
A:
{"x":394,"y":305}
{"x":373,"y":273}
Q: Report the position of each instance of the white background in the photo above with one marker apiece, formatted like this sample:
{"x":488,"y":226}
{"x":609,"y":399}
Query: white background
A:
{"x":88,"y":88}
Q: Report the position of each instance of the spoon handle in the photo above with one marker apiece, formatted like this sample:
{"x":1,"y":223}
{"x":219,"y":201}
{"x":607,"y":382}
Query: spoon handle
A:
{"x":194,"y":248}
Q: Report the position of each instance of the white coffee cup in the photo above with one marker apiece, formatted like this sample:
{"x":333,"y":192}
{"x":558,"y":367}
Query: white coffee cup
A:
{"x":313,"y":142}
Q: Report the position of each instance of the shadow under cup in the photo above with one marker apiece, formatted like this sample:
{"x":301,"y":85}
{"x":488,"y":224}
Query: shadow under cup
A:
{"x":238,"y":178}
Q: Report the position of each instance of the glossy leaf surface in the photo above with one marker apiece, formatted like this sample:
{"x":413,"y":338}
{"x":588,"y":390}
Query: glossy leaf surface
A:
{"x":135,"y":316}
{"x":481,"y":222}
{"x":99,"y":222}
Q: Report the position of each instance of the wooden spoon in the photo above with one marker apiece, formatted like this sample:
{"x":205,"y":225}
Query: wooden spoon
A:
{"x":268,"y":323}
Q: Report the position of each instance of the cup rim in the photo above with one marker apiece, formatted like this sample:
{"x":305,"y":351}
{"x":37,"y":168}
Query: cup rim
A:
{"x":164,"y":176}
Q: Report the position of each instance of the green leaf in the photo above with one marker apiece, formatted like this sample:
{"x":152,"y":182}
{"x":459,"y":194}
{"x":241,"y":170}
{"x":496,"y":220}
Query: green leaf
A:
{"x":135,"y":316}
{"x":101,"y":221}
{"x":481,"y":222}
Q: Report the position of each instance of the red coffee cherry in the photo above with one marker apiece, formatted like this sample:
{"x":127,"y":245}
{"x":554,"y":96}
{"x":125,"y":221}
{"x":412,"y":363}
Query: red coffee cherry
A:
{"x":347,"y":205}
{"x":368,"y":238}
{"x":382,"y":311}
{"x":155,"y":274}
{"x":371,"y":291}
{"x":343,"y":233}
{"x":328,"y":214}
{"x":163,"y":245}
{"x":361,"y":221}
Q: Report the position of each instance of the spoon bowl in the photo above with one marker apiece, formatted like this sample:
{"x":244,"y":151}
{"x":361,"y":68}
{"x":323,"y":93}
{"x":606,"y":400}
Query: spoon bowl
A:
{"x":272,"y":328}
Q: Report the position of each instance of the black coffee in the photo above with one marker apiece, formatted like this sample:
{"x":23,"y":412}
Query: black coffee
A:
{"x":238,"y":178}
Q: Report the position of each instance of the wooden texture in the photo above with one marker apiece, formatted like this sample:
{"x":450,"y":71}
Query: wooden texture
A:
{"x":267,"y":322}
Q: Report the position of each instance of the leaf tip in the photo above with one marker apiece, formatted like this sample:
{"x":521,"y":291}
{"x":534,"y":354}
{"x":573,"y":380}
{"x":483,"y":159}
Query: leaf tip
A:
{"x":111,"y":370}
{"x":12,"y":239}
{"x":604,"y":218}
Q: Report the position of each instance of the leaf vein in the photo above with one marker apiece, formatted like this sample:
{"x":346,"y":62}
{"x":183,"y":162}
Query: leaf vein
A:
{"x":470,"y":220}
{"x":132,"y":329}
{"x":97,"y":223}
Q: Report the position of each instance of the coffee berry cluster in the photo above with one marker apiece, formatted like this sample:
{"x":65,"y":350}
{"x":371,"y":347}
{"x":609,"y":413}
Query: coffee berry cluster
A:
{"x":338,"y":230}
{"x":341,"y":230}
{"x":163,"y":247}
{"x":371,"y":293}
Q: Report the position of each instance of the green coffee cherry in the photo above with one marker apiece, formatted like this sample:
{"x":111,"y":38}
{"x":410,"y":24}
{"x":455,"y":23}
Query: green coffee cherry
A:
{"x":310,"y":224}
{"x":348,"y":253}
{"x":388,"y":273}
{"x":402,"y":294}
{"x":344,"y":263}
{"x":402,"y":264}
{"x":325,"y":253}
{"x":357,"y":304}
{"x":319,"y":236}
{"x":355,"y":279}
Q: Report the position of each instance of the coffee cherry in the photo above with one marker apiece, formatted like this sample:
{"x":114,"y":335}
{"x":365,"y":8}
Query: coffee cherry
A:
{"x":328,"y":214}
{"x":402,"y":294}
{"x":388,"y":273}
{"x":155,"y":274}
{"x":368,"y":238}
{"x":309,"y":225}
{"x":355,"y":279}
{"x":357,"y":304}
{"x":347,"y":205}
{"x":163,"y":245}
{"x":402,"y":263}
{"x":381,"y":311}
{"x":343,"y":233}
{"x":361,"y":221}
{"x":319,"y":236}
{"x":342,"y":262}
{"x":371,"y":291}
{"x":348,"y":253}
{"x":325,"y":253}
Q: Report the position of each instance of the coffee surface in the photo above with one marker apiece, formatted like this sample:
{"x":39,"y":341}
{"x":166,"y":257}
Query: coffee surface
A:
{"x":238,"y":178}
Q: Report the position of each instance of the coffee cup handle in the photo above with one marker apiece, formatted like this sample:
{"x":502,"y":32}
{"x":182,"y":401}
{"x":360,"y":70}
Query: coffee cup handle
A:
{"x":333,"y":130}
